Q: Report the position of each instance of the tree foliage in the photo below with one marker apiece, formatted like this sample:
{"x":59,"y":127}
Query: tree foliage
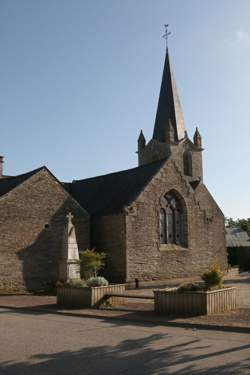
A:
{"x":91,"y":263}
{"x":244,"y":224}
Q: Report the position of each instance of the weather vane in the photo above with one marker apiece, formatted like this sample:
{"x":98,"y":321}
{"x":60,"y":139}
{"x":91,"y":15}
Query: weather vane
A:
{"x":166,"y":34}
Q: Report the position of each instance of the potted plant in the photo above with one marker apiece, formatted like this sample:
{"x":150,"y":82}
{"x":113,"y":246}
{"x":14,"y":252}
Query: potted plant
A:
{"x":204,"y":298}
{"x":92,"y":290}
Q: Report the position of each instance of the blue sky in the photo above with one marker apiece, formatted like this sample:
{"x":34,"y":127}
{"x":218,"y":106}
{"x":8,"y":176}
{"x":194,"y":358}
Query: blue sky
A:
{"x":80,"y":78}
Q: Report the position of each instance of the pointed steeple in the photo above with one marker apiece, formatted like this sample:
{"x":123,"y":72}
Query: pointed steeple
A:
{"x":169,"y":107}
{"x":197,"y":138}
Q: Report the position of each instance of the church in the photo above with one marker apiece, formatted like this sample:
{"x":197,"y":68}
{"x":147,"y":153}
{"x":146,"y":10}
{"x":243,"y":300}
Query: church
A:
{"x":156,"y":221}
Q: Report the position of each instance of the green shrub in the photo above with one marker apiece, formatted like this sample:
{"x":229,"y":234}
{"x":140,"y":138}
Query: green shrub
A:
{"x":189,"y":287}
{"x":97,"y":281}
{"x":91,"y":262}
{"x":73,"y":283}
{"x":78,"y":283}
{"x":213,"y":278}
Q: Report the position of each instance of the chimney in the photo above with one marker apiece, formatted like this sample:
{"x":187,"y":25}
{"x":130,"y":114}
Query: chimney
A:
{"x":1,"y":166}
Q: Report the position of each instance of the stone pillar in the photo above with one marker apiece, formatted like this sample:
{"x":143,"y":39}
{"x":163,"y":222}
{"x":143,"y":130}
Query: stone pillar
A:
{"x":69,"y":267}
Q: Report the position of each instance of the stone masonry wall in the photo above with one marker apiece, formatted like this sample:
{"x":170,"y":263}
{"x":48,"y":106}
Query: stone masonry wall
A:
{"x":156,"y":150}
{"x":177,"y":155}
{"x":147,"y":259}
{"x":108,"y":235}
{"x":32,"y":221}
{"x":153,"y":151}
{"x":197,"y":165}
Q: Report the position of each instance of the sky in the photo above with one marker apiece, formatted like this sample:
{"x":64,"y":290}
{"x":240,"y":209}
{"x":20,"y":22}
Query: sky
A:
{"x":81,"y":78}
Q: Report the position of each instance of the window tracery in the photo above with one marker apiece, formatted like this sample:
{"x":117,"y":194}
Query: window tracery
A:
{"x":171,"y":221}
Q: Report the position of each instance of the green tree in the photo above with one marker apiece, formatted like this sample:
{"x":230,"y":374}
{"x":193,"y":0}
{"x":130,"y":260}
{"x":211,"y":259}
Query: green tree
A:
{"x":244,"y":224}
{"x":91,"y":262}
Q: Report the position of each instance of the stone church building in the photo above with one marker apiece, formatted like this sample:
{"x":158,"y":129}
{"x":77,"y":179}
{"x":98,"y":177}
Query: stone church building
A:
{"x":156,"y":221}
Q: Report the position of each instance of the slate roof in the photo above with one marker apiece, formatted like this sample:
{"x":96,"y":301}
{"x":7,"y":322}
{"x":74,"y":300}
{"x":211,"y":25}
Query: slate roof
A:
{"x":9,"y":183}
{"x":236,"y":237}
{"x":169,"y":106}
{"x":110,"y":193}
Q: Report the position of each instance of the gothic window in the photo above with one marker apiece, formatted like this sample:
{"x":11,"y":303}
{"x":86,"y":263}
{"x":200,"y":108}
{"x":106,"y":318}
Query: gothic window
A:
{"x":178,"y":224}
{"x":187,"y":163}
{"x":171,"y":221}
{"x":170,"y":225}
{"x":162,"y":225}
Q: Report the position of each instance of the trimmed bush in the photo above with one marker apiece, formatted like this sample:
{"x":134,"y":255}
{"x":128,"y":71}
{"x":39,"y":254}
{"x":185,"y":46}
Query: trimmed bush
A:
{"x":97,"y":281}
{"x":189,"y":287}
{"x":73,"y":283}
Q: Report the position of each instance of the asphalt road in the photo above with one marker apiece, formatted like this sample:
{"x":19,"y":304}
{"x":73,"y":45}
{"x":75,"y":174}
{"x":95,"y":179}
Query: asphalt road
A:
{"x":35,"y":343}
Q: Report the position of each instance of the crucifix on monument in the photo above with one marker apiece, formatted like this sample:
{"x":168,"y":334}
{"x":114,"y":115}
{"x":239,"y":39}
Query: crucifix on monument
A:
{"x":70,"y":217}
{"x":69,"y":268}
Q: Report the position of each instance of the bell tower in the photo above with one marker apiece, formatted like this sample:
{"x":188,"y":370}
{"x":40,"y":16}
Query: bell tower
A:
{"x":170,"y":135}
{"x":169,"y":127}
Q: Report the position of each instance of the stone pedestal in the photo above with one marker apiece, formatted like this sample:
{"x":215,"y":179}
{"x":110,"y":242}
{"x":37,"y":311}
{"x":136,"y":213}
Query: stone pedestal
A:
{"x":69,"y":270}
{"x":69,"y":267}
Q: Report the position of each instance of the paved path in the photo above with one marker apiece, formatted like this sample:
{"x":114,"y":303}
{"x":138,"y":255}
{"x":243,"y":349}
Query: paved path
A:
{"x":235,"y":321}
{"x":242,"y":282}
{"x":37,"y":344}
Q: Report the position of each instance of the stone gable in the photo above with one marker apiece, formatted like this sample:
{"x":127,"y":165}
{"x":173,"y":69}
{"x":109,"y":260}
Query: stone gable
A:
{"x":147,"y":259}
{"x":33,"y":218}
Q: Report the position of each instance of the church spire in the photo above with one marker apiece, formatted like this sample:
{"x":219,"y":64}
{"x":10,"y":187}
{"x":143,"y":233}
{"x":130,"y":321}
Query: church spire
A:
{"x":169,"y":107}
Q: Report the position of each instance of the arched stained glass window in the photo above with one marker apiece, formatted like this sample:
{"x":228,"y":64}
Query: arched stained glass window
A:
{"x":170,"y":225}
{"x":171,"y":221}
{"x":162,"y":225}
{"x":178,"y":222}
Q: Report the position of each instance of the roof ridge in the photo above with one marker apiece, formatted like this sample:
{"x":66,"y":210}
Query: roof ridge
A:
{"x":25,"y":174}
{"x":144,"y":166}
{"x":11,"y":183}
{"x":112,"y":192}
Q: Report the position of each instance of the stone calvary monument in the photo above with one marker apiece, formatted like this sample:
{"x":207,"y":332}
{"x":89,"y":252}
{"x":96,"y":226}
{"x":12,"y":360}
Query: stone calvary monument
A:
{"x":69,"y":267}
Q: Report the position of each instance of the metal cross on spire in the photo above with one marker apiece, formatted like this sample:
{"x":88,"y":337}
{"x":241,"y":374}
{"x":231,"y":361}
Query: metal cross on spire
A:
{"x":166,"y":34}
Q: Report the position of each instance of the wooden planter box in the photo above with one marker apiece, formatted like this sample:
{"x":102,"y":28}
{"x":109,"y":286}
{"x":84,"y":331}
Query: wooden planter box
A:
{"x":72,"y":297}
{"x":195,"y":303}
